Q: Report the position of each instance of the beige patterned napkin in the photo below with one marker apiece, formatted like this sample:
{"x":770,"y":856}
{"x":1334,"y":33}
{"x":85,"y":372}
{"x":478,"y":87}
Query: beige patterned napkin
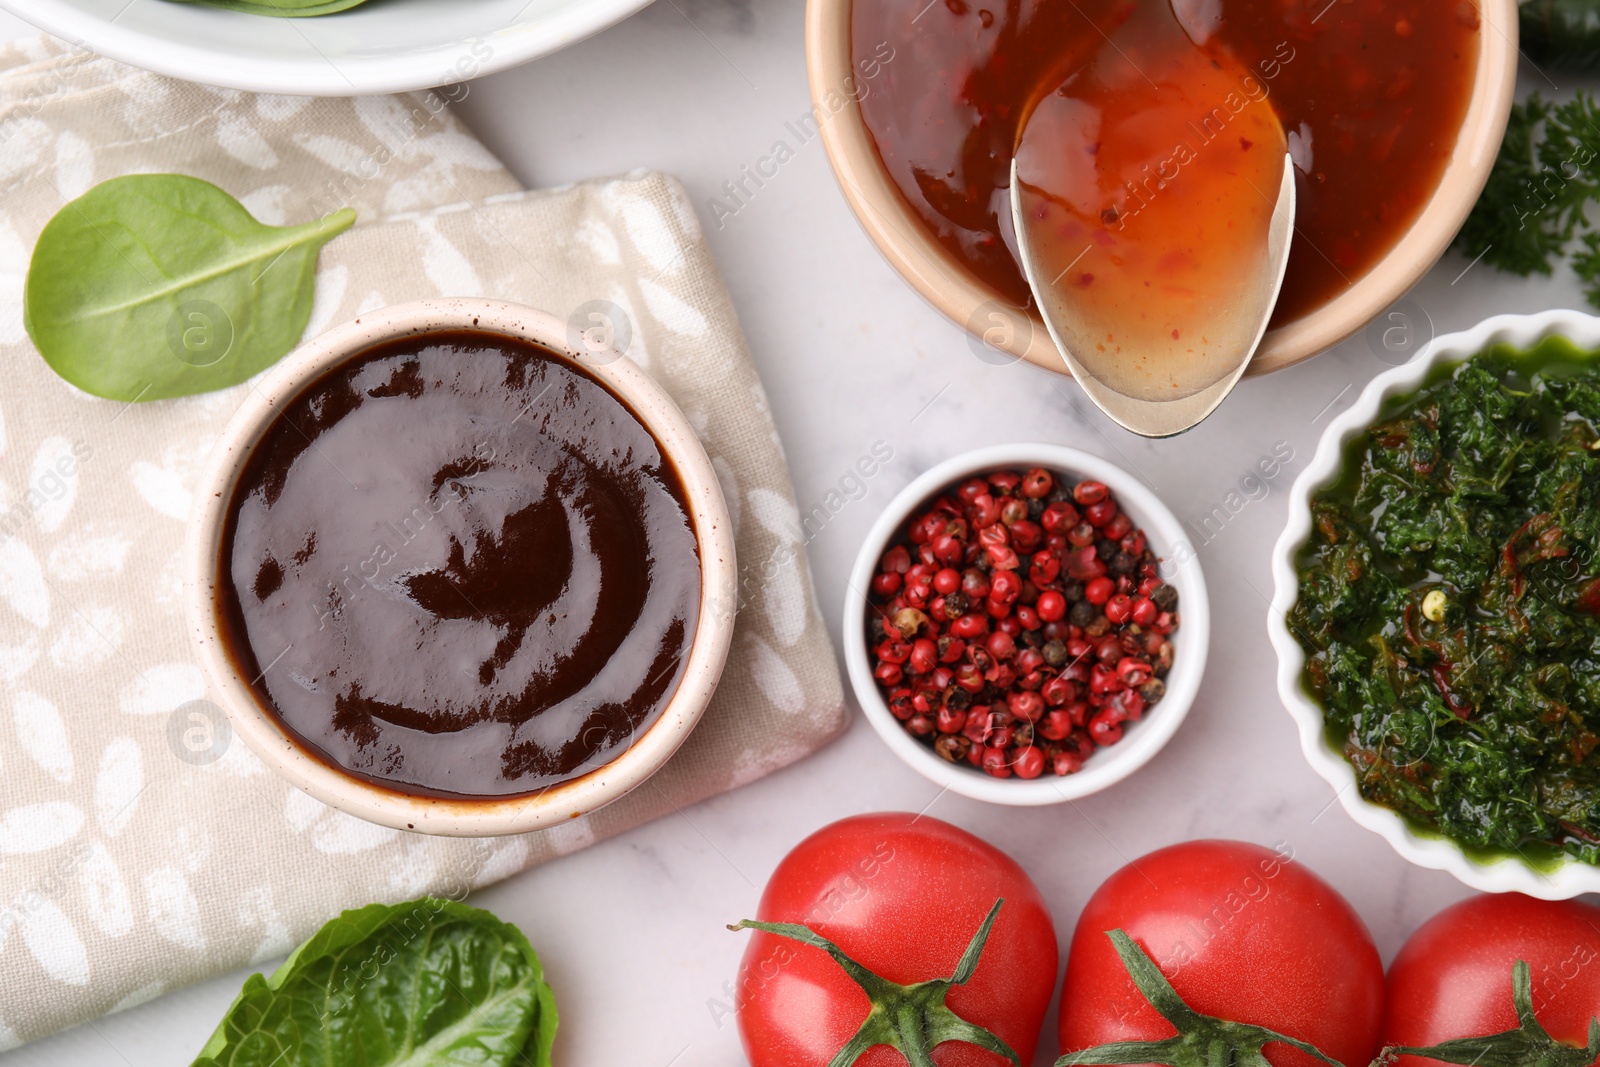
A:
{"x":140,"y":848}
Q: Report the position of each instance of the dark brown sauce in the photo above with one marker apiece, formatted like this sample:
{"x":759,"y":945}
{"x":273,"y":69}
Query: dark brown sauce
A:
{"x":458,"y":565}
{"x":1371,"y":92}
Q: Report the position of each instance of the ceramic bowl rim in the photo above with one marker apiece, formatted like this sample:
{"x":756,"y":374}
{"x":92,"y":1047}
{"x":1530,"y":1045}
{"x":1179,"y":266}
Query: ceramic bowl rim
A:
{"x":463,"y":816}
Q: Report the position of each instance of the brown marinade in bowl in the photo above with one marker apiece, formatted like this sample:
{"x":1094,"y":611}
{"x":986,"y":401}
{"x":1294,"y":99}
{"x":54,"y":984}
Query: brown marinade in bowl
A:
{"x":458,"y":565}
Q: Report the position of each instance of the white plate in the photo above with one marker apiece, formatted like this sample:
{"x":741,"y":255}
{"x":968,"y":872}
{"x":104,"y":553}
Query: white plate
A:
{"x":1498,"y":876}
{"x":383,"y":46}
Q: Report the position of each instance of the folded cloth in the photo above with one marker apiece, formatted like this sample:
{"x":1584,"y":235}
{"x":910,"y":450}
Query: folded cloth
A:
{"x":140,"y":848}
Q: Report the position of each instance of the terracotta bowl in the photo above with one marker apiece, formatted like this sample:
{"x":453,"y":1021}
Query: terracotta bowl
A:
{"x":464,"y":817}
{"x":966,"y":300}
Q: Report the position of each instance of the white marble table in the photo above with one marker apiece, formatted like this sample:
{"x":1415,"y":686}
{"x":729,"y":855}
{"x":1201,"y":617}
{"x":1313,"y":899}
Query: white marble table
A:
{"x":631,"y":931}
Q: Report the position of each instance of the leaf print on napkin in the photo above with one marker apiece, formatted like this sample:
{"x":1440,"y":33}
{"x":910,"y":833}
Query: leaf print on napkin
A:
{"x":54,"y":942}
{"x":105,"y":893}
{"x":42,"y":735}
{"x":37,"y":827}
{"x":22,"y":584}
{"x":173,"y":910}
{"x":162,"y":688}
{"x":118,"y":785}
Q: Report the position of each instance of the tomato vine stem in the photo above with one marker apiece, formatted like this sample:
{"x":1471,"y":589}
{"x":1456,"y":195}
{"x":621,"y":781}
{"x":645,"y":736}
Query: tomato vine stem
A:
{"x":1529,"y":1045}
{"x":1201,"y":1041}
{"x":912,"y":1019}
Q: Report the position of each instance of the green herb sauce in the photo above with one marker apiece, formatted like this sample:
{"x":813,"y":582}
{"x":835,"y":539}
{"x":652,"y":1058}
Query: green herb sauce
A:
{"x":1450,"y":604}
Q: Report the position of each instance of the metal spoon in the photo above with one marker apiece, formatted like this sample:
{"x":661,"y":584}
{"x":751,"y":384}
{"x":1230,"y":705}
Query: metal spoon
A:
{"x":1155,"y":387}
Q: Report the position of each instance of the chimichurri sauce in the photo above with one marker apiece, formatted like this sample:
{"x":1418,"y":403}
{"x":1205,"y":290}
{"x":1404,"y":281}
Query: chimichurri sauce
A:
{"x":1450,"y":604}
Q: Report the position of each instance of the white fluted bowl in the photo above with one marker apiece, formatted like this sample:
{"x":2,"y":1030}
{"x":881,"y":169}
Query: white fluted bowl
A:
{"x":1503,"y":875}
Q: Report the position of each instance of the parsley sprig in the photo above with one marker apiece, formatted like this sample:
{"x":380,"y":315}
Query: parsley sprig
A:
{"x":1534,"y":207}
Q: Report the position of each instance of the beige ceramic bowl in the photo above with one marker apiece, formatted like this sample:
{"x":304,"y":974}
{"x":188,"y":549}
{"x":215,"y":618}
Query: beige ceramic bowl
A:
{"x":500,"y":815}
{"x":966,"y":300}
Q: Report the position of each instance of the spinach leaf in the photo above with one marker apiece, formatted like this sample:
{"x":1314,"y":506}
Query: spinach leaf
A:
{"x":426,"y":983}
{"x":159,"y":285}
{"x":282,"y":8}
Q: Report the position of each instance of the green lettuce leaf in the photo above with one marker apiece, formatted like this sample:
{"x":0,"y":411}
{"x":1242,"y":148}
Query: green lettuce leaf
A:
{"x":282,"y":8}
{"x":152,"y":286}
{"x":430,"y":982}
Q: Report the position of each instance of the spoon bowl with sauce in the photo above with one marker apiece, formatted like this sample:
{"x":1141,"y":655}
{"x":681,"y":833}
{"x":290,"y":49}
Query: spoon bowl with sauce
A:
{"x":1153,"y":204}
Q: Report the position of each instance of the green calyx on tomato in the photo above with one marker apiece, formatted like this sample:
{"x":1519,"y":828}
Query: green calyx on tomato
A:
{"x":1529,"y":1045}
{"x":1202,"y":1040}
{"x":912,"y":1019}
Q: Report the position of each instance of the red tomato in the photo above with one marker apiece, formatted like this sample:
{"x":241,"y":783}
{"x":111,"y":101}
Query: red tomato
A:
{"x":1453,"y":978}
{"x":1242,"y":933}
{"x":902,"y":895}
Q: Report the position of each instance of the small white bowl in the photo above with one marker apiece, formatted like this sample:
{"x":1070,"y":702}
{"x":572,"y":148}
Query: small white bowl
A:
{"x":465,"y":817}
{"x":1495,"y":876}
{"x":1179,"y":566}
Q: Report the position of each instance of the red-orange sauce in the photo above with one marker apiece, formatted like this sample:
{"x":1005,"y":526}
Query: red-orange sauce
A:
{"x":1149,"y":180}
{"x":1372,"y":94}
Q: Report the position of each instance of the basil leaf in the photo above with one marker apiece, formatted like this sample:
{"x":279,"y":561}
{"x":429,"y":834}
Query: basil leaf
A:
{"x":159,"y":285}
{"x":282,"y":8}
{"x":426,"y":983}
